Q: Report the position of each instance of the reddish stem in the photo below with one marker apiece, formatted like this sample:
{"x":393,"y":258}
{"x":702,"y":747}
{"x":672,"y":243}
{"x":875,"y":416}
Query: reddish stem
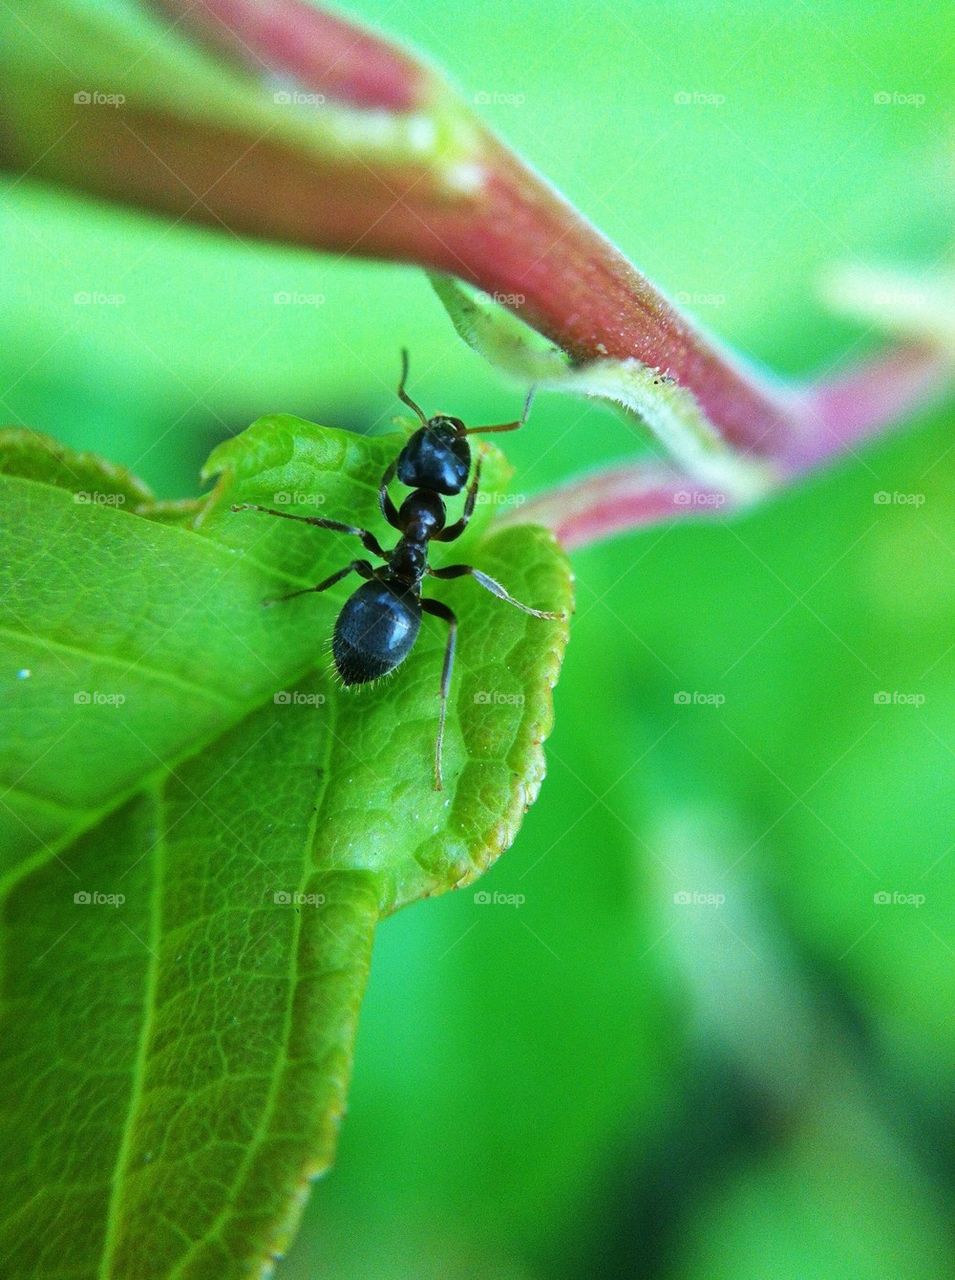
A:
{"x":318,"y":50}
{"x":841,"y":411}
{"x":593,"y":507}
{"x":511,"y":234}
{"x":523,"y":240}
{"x":837,"y":413}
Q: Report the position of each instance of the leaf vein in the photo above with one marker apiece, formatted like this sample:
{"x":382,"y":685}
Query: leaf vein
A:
{"x":113,"y":1218}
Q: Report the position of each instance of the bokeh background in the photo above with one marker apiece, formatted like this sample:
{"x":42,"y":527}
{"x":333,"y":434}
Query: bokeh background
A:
{"x":609,"y":1079}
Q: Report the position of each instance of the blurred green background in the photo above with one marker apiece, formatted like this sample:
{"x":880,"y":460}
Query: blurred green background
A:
{"x":608,"y":1080}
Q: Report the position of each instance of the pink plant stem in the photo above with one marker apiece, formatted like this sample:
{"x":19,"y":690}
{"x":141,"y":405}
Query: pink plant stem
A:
{"x":319,"y":51}
{"x":594,"y":507}
{"x":511,"y":235}
{"x":523,"y":239}
{"x":843,"y":410}
{"x":837,"y":414}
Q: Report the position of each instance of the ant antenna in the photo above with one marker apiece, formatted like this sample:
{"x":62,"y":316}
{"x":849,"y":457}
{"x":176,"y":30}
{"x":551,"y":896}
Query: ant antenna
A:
{"x":506,"y":426}
{"x":402,"y":394}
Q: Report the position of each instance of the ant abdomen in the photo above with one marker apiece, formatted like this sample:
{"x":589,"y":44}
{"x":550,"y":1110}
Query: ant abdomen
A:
{"x":375,"y":631}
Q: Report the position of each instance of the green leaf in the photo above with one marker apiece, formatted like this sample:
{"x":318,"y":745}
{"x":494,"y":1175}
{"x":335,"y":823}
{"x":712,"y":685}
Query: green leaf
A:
{"x":89,"y":478}
{"x":200,"y":831}
{"x":499,"y":335}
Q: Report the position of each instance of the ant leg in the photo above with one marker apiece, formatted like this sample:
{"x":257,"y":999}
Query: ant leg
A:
{"x":490,"y":584}
{"x":368,"y":539}
{"x":388,"y":508}
{"x":402,"y":393}
{"x":506,"y":426}
{"x":452,"y":531}
{"x":357,"y":566}
{"x":439,"y":610}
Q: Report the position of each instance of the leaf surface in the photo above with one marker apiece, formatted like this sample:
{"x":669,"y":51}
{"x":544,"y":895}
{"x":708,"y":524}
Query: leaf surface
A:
{"x":201,"y":829}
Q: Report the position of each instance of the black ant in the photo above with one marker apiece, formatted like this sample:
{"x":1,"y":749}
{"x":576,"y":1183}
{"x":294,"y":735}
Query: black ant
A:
{"x":379,"y":623}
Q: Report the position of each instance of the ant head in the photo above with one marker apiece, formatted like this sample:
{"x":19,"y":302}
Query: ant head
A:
{"x":436,"y":457}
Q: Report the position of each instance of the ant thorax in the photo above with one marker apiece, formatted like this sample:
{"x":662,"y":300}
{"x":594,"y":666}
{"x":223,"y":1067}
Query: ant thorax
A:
{"x":421,"y":515}
{"x":408,"y":561}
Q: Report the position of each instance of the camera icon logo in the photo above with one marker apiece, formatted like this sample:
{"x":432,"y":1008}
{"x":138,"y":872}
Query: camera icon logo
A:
{"x":281,"y":898}
{"x":482,"y":897}
{"x":82,"y":898}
